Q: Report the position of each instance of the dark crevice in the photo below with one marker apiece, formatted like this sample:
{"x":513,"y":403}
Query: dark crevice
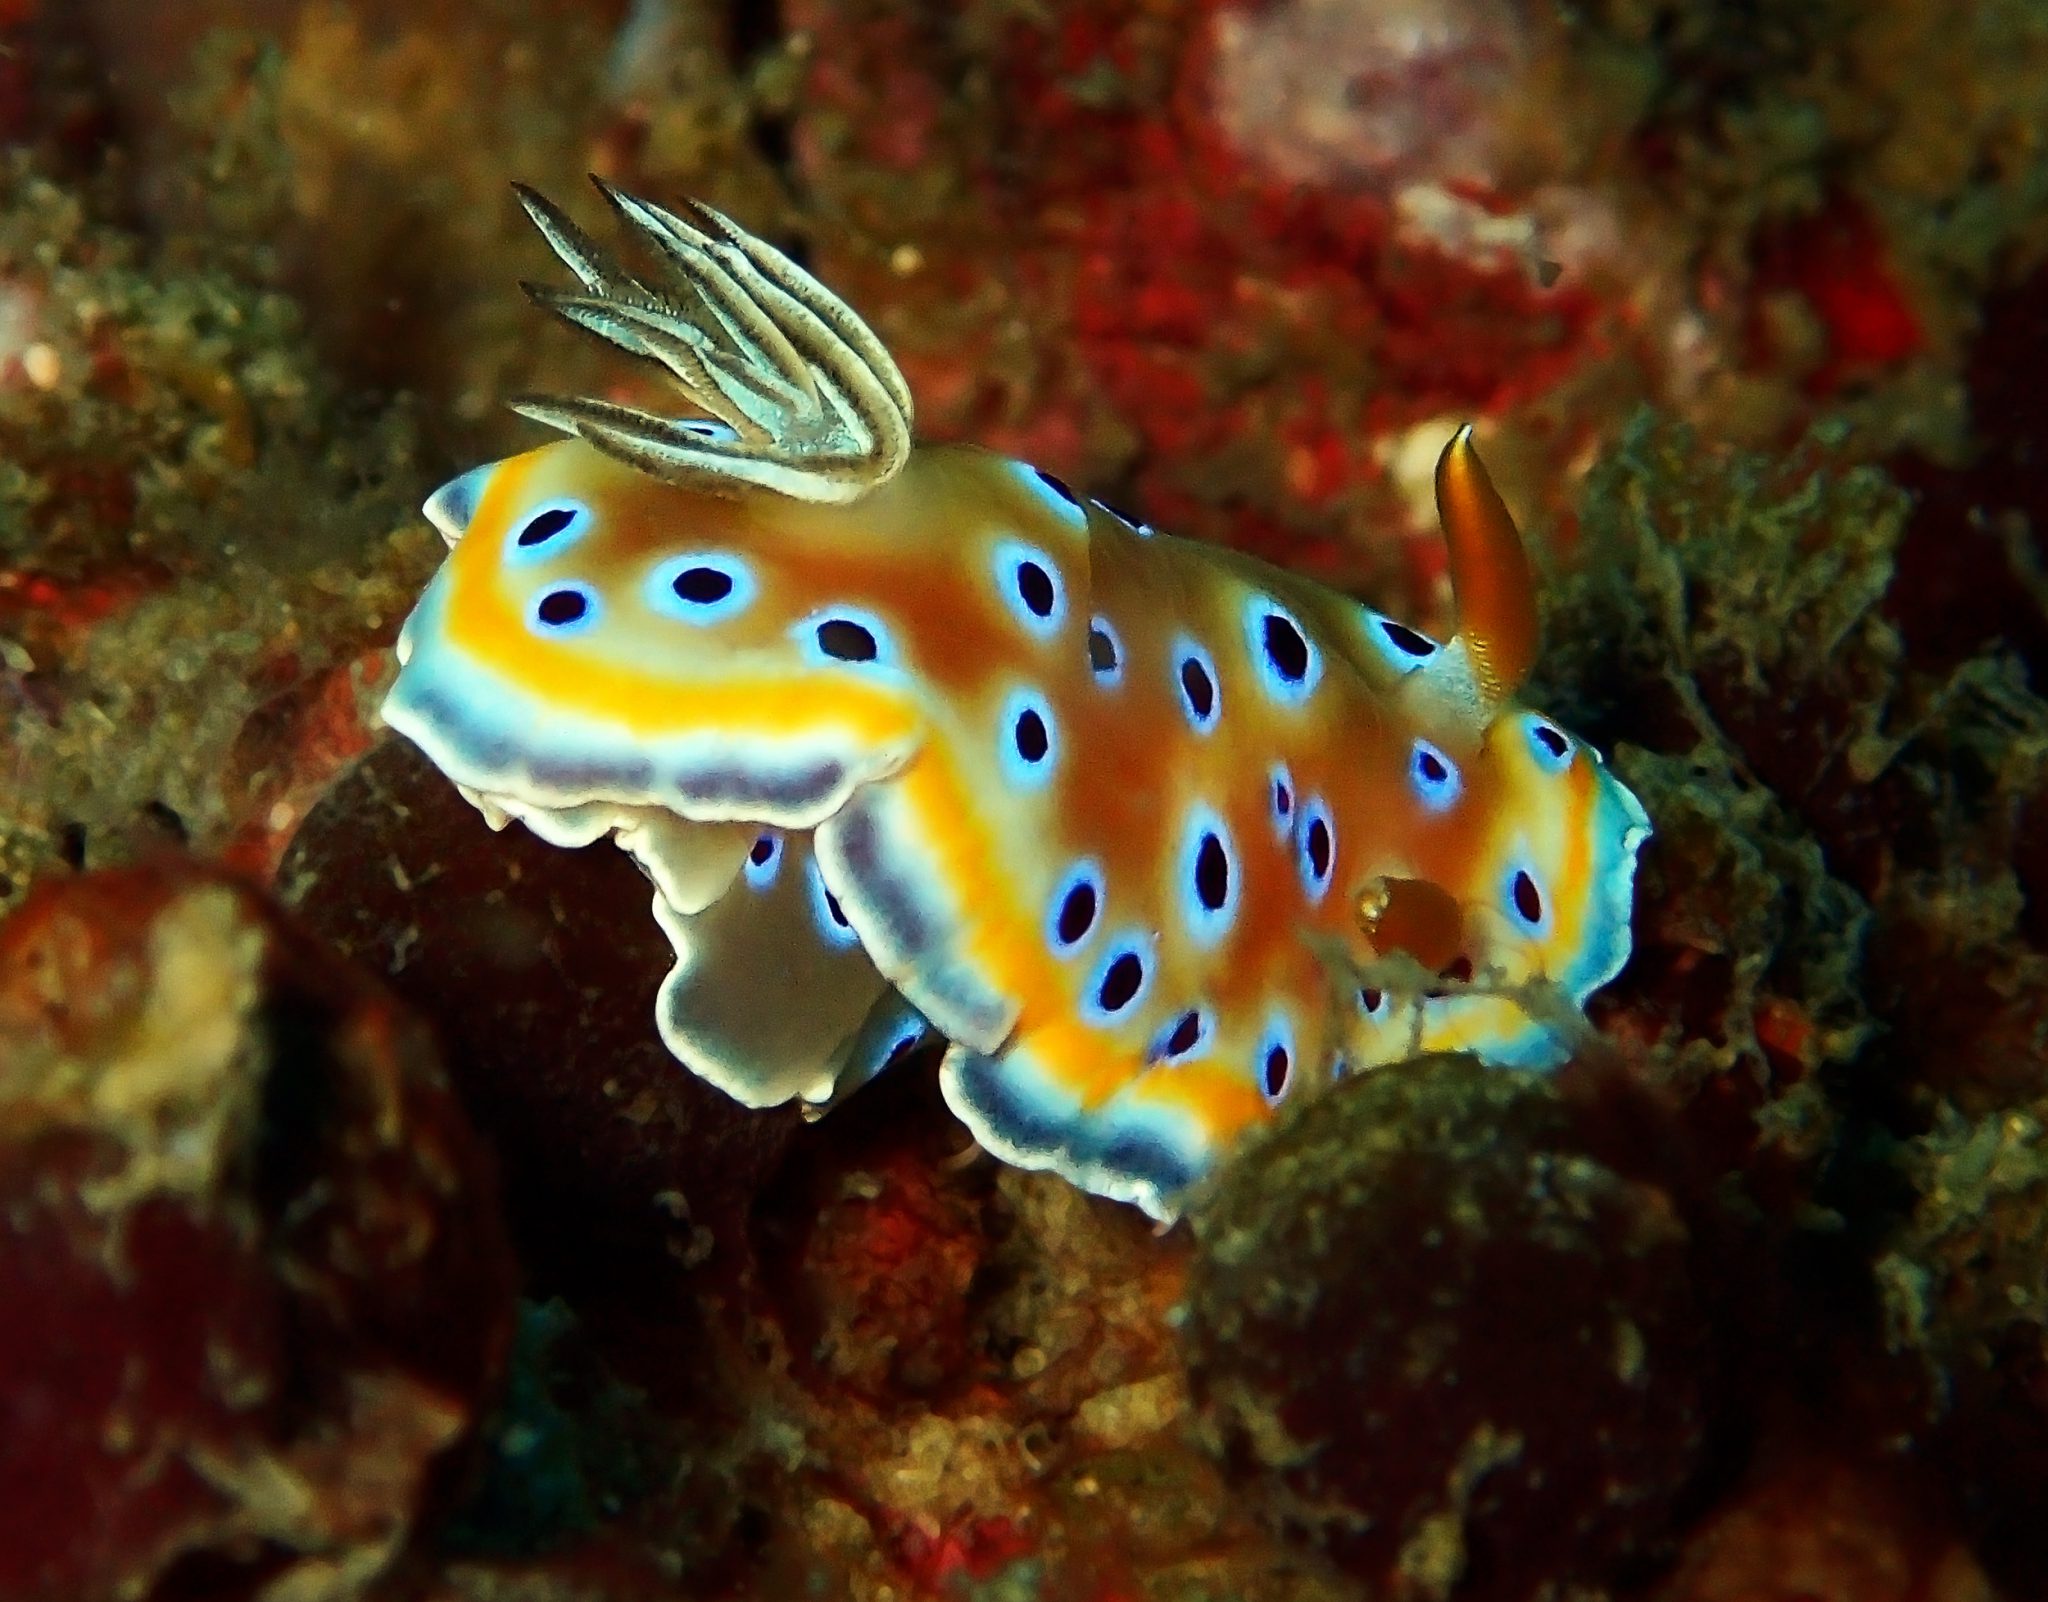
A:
{"x":757,"y":29}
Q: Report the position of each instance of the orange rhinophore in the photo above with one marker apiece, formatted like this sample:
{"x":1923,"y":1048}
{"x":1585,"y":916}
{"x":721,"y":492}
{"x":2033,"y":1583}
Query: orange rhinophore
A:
{"x":915,"y":738}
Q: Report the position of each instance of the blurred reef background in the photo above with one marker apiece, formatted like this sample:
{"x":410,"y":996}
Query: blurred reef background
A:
{"x":358,"y":1239}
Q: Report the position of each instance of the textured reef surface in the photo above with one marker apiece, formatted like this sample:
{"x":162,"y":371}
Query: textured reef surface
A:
{"x":358,"y":1239}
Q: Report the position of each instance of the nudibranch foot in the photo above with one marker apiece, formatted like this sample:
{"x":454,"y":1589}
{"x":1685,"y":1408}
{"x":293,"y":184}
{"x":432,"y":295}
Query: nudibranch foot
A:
{"x":886,"y":853}
{"x":1146,"y":1144}
{"x":774,"y":933}
{"x":917,"y":741}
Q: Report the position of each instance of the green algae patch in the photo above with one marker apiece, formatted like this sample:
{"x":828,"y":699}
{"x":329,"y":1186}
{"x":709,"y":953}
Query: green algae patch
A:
{"x":1839,"y":928}
{"x":1964,"y":1298}
{"x":203,"y":549}
{"x":1837,"y":823}
{"x":1720,"y":632}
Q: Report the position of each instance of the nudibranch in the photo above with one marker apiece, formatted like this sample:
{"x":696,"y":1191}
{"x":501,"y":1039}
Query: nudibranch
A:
{"x":916,"y":738}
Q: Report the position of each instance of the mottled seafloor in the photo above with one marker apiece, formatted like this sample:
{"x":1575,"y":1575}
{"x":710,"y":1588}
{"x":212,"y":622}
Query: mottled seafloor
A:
{"x":358,"y":1240}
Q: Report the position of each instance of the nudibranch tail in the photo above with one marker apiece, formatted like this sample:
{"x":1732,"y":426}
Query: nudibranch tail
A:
{"x":1491,"y":580}
{"x":804,"y":401}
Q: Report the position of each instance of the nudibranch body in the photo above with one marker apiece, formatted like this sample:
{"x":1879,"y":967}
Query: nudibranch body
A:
{"x":918,"y":738}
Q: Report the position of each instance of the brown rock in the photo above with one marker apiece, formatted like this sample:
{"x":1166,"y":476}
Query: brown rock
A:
{"x":254,"y":1277}
{"x":1438,"y":1336}
{"x":539,"y":968}
{"x":1808,"y":1526}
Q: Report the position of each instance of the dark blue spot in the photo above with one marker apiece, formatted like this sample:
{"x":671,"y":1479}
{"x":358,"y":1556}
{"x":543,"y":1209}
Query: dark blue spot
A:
{"x":1278,"y":1069}
{"x":1433,"y":775}
{"x":827,"y":916}
{"x":566,"y":609}
{"x":1287,"y":661}
{"x":1194,"y":675}
{"x":1274,"y":1063}
{"x":1280,"y":799}
{"x":1035,"y":589}
{"x":1076,"y":905}
{"x":1212,"y":874}
{"x":1030,"y":585}
{"x":559,"y":608}
{"x":1316,"y":848}
{"x":1406,"y":640}
{"x":701,"y":588}
{"x":1054,"y":495}
{"x":1186,"y":1036}
{"x":1119,"y":982}
{"x":1552,"y":747}
{"x":1058,"y":486}
{"x":544,"y":526}
{"x":549,"y":529}
{"x":1030,"y":742}
{"x":845,"y":635}
{"x":907,"y":1034}
{"x":844,"y":640}
{"x":1208,"y":866}
{"x":764,"y":861}
{"x":1105,"y":653}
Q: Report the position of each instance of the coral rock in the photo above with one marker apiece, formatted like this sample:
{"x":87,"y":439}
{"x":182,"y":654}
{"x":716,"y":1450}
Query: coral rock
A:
{"x":886,"y":1274}
{"x":539,"y":967}
{"x":1806,"y":1526}
{"x":255,"y":1281}
{"x":1429,"y":1330}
